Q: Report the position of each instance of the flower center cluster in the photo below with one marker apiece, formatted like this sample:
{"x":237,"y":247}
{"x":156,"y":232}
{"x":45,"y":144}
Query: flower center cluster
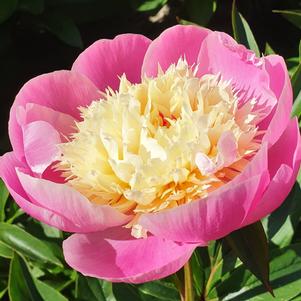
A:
{"x":164,"y":142}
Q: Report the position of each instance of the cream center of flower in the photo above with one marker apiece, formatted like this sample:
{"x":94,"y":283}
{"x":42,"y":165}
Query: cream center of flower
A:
{"x":164,"y":142}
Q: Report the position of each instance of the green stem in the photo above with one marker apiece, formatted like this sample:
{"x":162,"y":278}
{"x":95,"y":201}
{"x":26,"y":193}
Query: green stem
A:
{"x":188,"y":289}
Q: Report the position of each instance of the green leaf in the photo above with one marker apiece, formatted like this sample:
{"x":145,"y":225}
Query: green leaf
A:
{"x":282,"y":223}
{"x":296,"y":78}
{"x":125,"y":291}
{"x":17,"y":213}
{"x":21,"y":285}
{"x":158,"y":290}
{"x":225,"y":262}
{"x":3,"y":199}
{"x":199,"y":12}
{"x":296,"y":85}
{"x":242,"y":31}
{"x":107,"y":288}
{"x":185,"y":22}
{"x":250,"y":245}
{"x":49,"y":293}
{"x":198,"y":273}
{"x":268,"y":49}
{"x":294,"y":16}
{"x":2,"y":293}
{"x":214,"y":273}
{"x":34,"y":7}
{"x":64,"y":28}
{"x":292,"y":64}
{"x":296,"y":81}
{"x":5,"y":251}
{"x":7,"y":8}
{"x":90,"y":289}
{"x":285,"y":276}
{"x":51,"y":231}
{"x":148,"y":4}
{"x":26,"y":244}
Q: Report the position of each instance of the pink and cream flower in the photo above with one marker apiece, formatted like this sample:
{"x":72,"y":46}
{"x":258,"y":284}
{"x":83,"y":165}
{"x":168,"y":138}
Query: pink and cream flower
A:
{"x":148,"y":149}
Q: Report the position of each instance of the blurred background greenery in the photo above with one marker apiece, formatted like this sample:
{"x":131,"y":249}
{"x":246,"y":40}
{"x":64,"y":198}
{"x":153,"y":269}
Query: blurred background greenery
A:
{"x":40,"y":36}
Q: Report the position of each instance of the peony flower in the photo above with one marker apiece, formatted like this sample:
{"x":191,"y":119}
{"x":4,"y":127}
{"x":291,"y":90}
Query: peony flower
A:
{"x":147,"y":149}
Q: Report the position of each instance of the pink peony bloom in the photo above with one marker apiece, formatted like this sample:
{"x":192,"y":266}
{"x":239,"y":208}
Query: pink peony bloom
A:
{"x":148,"y":149}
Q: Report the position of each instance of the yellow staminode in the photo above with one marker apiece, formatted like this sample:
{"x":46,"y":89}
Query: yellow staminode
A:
{"x":136,"y":148}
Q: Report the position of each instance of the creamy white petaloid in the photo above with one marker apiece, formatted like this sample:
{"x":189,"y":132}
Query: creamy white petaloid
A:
{"x":164,"y":142}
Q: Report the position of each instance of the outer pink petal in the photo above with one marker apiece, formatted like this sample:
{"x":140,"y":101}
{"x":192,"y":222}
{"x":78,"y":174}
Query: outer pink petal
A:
{"x":287,"y":149}
{"x":280,"y":83}
{"x":116,"y":256}
{"x":212,"y":217}
{"x":63,"y":91}
{"x":207,"y":219}
{"x":69,"y":203}
{"x":40,"y":145}
{"x":220,"y":54}
{"x":68,"y":212}
{"x":106,"y":60}
{"x":8,"y":163}
{"x":284,"y":164}
{"x":175,"y":42}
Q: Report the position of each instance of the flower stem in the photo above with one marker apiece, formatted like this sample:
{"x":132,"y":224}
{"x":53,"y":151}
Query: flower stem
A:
{"x":188,"y":281}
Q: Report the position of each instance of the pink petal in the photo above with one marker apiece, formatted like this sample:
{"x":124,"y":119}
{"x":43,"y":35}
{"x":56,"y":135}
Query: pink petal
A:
{"x":69,"y":203}
{"x":8,"y":163}
{"x":220,"y":54}
{"x":43,"y":128}
{"x":106,"y":60}
{"x":40,"y":145}
{"x":62,"y":91}
{"x":286,"y":149}
{"x":276,"y":193}
{"x":63,"y":123}
{"x":116,"y":256}
{"x":175,"y":42}
{"x":277,"y":71}
{"x":205,"y":164}
{"x":284,"y":164}
{"x":207,"y":219}
{"x":81,"y":215}
{"x":280,"y":83}
{"x":212,"y":217}
{"x":257,"y":166}
{"x":226,"y":155}
{"x":227,"y":149}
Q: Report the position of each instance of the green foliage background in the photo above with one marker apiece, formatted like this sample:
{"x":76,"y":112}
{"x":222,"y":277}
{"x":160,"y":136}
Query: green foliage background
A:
{"x":39,"y":36}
